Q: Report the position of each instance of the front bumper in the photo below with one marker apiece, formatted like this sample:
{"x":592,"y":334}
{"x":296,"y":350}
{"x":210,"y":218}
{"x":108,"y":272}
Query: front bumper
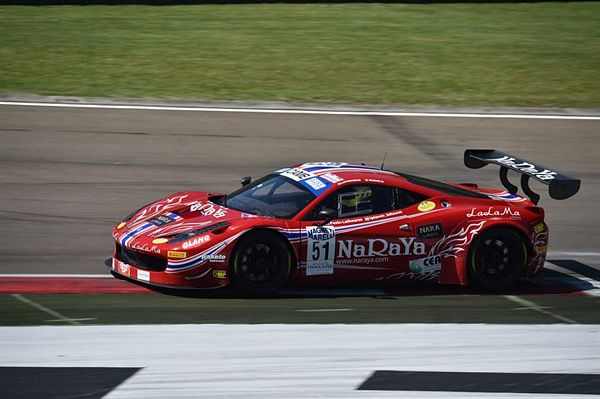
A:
{"x":207,"y":279}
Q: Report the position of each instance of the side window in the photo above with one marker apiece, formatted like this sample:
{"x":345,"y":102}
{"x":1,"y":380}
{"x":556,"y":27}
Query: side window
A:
{"x":357,"y":200}
{"x":404,"y":198}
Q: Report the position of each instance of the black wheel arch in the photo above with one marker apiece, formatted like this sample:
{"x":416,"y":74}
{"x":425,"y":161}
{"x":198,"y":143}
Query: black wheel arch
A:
{"x":277,"y":235}
{"x":520,"y":232}
{"x":525,"y":239}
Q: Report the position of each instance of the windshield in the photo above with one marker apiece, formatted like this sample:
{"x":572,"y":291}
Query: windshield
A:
{"x":443,"y":187}
{"x":272,"y":195}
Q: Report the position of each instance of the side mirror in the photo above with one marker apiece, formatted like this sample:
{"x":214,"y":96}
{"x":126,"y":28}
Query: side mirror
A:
{"x":245,"y":180}
{"x":327,"y":215}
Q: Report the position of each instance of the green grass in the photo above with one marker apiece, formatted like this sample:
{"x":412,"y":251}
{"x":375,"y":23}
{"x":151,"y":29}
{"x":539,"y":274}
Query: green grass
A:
{"x":162,"y":309}
{"x":453,"y":54}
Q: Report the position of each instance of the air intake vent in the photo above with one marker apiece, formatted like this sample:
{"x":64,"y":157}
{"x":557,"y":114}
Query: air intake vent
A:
{"x":141,"y":260}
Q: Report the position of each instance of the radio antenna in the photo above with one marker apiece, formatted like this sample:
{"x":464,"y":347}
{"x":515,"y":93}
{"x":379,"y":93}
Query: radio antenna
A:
{"x":383,"y":162}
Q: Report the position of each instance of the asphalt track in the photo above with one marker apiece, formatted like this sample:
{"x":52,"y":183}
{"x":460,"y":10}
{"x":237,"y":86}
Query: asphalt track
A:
{"x":67,"y":174}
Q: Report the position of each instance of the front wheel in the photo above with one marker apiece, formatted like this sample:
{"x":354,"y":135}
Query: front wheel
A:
{"x":497,"y":259}
{"x":261,"y":264}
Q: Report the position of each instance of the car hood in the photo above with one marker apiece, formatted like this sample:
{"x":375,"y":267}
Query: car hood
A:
{"x":179,"y":213}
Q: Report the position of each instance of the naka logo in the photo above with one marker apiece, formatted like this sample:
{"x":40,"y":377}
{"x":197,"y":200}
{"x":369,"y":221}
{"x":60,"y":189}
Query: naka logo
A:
{"x":430,"y":230}
{"x":525,"y":167}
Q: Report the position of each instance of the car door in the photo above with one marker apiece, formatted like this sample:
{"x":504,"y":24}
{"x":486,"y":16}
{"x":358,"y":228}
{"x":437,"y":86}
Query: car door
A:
{"x":370,"y":238}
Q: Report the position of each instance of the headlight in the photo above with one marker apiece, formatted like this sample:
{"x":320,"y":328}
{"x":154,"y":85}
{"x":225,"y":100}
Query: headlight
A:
{"x":184,"y":236}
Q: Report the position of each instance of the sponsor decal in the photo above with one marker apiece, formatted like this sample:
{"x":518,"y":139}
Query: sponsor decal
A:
{"x":297,"y":174}
{"x":195,"y":242}
{"x":506,"y":211}
{"x":159,"y":241}
{"x":349,"y":181}
{"x":177,"y":254}
{"x":430,"y":264}
{"x":214,"y":258}
{"x":526,"y":167}
{"x":320,"y":250}
{"x":146,"y":248}
{"x":143,"y":275}
{"x":161,"y":220}
{"x":538,"y":228}
{"x":331,"y":177}
{"x":209,"y":209}
{"x":347,"y":221}
{"x":430,"y":230}
{"x":221,"y":274}
{"x":374,"y":180}
{"x":248,"y":215}
{"x":120,"y":225}
{"x":315,"y":183}
{"x":376,"y":217}
{"x":380,"y":248}
{"x":426,"y":206}
{"x":124,"y":269}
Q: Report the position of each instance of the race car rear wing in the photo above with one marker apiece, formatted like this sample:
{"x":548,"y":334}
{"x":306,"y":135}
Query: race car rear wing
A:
{"x":560,"y":186}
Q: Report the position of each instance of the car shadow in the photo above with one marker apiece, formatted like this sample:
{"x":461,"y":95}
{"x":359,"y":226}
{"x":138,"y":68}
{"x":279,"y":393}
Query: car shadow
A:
{"x":550,"y":282}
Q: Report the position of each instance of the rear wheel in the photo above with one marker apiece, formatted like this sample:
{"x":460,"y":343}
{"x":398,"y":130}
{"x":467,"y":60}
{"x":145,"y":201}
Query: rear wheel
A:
{"x":261,"y":264}
{"x":497,"y":259}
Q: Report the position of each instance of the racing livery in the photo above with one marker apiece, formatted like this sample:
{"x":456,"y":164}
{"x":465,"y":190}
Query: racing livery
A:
{"x":329,"y":222}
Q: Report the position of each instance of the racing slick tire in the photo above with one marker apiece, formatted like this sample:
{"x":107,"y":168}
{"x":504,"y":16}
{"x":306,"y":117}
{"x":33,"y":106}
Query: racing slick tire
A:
{"x":261,"y":264}
{"x":497,"y":260}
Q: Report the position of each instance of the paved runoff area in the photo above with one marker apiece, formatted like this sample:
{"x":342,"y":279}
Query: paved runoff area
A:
{"x":325,"y":361}
{"x":69,"y":173}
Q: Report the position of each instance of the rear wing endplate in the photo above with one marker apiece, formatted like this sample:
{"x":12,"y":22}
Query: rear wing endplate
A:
{"x":560,"y":186}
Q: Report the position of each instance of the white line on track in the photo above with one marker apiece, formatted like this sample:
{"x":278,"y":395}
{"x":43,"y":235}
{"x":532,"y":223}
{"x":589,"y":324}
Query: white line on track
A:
{"x":570,"y":253}
{"x":324,"y":310}
{"x":79,"y":319}
{"x":44,"y":309}
{"x":537,"y":308}
{"x":303,"y":111}
{"x":582,"y":282}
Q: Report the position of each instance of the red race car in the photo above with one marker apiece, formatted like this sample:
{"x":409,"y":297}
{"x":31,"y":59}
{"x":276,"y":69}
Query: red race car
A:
{"x":327,"y":222}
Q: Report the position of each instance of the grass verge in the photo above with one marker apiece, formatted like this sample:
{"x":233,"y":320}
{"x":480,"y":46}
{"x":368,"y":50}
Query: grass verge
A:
{"x":544,"y":54}
{"x":161,"y":309}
